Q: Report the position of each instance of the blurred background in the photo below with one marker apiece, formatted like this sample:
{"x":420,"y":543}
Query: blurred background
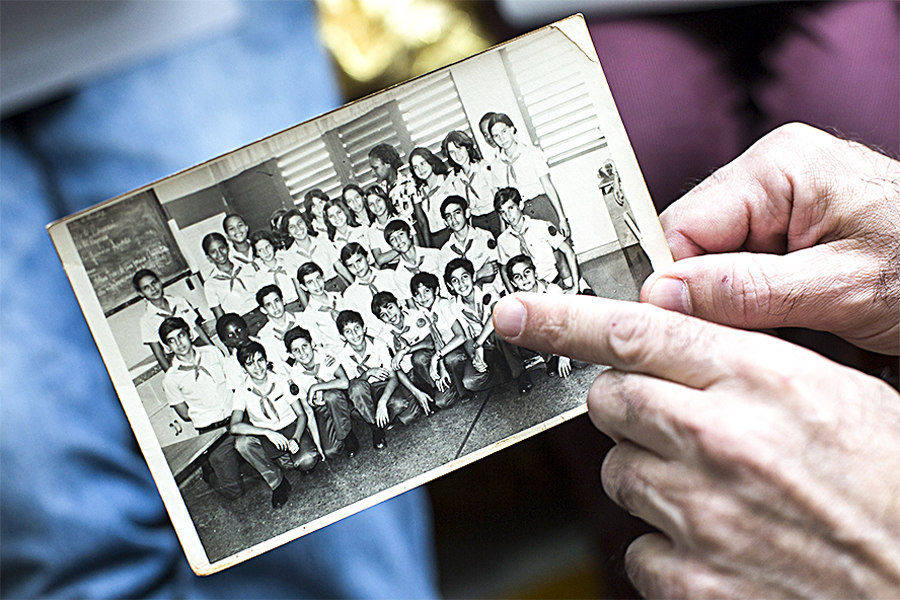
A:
{"x":696,"y":83}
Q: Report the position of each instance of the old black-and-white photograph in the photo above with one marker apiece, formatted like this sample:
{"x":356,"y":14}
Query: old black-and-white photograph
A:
{"x":302,"y":328}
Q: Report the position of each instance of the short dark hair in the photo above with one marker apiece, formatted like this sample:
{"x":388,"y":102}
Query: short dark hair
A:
{"x":462,"y":140}
{"x":507,"y":194}
{"x":248,"y":351}
{"x":352,"y":249}
{"x":136,"y":280}
{"x":386,"y":154}
{"x":380,"y":300}
{"x":262,"y":234}
{"x":429,"y":280}
{"x":346,"y":317}
{"x":499,"y":118}
{"x":266,"y":290}
{"x":296,"y":333}
{"x":453,"y":199}
{"x":457,"y":263}
{"x":519,"y":259}
{"x":484,"y":126}
{"x":227,"y":319}
{"x":395,"y":226}
{"x":209,"y":238}
{"x":308,"y":268}
{"x":230,"y":216}
{"x":171,"y":324}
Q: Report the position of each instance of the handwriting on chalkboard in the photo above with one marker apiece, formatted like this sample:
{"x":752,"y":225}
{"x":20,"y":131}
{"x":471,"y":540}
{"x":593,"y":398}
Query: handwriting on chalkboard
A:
{"x":117,"y":240}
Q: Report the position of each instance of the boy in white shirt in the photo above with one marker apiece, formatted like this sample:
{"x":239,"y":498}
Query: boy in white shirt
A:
{"x":476,"y":245}
{"x":233,"y":332}
{"x":413,"y":259}
{"x":366,"y":283}
{"x":322,"y":309}
{"x":278,"y":320}
{"x":322,"y":381}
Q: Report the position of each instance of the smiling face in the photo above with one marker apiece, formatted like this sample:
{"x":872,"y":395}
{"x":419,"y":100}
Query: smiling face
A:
{"x":302,"y":351}
{"x":400,"y":241}
{"x":458,"y":154}
{"x":236,"y":230}
{"x":336,"y":216}
{"x":354,"y":200}
{"x":296,"y":228}
{"x":150,"y":287}
{"x":358,"y":265}
{"x":461,"y":282}
{"x":235,"y":335}
{"x":377,"y":205}
{"x":503,"y":135}
{"x":424,"y":296}
{"x":421,"y":167}
{"x":273,"y":306}
{"x":317,"y":206}
{"x":264,"y":250}
{"x":256,"y":367}
{"x":354,"y":334}
{"x":390,"y":313}
{"x":217,"y":252}
{"x":523,"y":277}
{"x":455,"y":217}
{"x":179,"y":343}
{"x":381,"y":169}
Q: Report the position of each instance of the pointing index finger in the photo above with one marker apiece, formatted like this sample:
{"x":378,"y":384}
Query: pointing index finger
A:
{"x":628,"y":336}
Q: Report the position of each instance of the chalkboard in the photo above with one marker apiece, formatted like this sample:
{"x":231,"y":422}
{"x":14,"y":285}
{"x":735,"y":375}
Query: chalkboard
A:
{"x":120,"y":238}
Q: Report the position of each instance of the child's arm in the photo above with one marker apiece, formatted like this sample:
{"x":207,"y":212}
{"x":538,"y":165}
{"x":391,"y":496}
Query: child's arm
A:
{"x":550,"y":190}
{"x":381,"y":412}
{"x":160,"y":355}
{"x":487,"y":272}
{"x":383,"y":257}
{"x":421,"y":397}
{"x":182,"y":411}
{"x":340,"y":382}
{"x":306,"y":419}
{"x":238,"y":427}
{"x":218,"y":312}
{"x":573,"y":266}
{"x":506,"y":282}
{"x":343,"y":272}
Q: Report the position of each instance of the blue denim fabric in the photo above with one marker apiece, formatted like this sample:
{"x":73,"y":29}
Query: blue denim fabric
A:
{"x":79,"y":513}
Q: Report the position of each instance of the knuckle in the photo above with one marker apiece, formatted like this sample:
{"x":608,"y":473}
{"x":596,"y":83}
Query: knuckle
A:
{"x":630,"y":337}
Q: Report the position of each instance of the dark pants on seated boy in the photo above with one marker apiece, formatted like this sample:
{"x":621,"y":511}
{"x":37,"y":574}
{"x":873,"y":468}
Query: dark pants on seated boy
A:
{"x":464,"y":377}
{"x":364,"y":396}
{"x":334,"y":421}
{"x":505,"y":362}
{"x":225,"y":476}
{"x":269,"y":461}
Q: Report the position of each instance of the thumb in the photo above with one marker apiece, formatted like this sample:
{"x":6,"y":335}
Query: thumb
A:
{"x":825,"y":287}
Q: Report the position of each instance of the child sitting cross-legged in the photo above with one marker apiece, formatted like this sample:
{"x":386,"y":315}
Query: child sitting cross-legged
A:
{"x":322,"y":381}
{"x":282,"y":432}
{"x":373,"y":384}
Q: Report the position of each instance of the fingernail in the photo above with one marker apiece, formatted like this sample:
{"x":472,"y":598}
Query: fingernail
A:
{"x":509,"y":318}
{"x":671,"y":294}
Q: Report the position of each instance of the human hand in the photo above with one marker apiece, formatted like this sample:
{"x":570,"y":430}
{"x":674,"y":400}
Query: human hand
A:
{"x":278,"y":440}
{"x":424,"y":401}
{"x":478,"y":360}
{"x":802,"y":230}
{"x":564,"y":367}
{"x":381,"y":414}
{"x":770,"y":470}
{"x":395,"y":361}
{"x":377,"y":374}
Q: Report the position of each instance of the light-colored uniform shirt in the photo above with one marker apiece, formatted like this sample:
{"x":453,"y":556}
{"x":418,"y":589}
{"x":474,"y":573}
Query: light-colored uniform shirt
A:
{"x":234,"y":293}
{"x":154,"y":316}
{"x":479,"y":186}
{"x":317,"y":319}
{"x":443,"y":315}
{"x":479,"y":247}
{"x":432,"y":198}
{"x":321,"y":251}
{"x":428,"y":260}
{"x":268,"y":406}
{"x":358,"y":296}
{"x":360,"y":235}
{"x":537,"y":239}
{"x":325,"y":365}
{"x":271,"y":336}
{"x":411,"y":331}
{"x":202,"y":386}
{"x":475,"y":317}
{"x":376,"y":355}
{"x":522,"y":171}
{"x":244,"y":260}
{"x":279,"y":275}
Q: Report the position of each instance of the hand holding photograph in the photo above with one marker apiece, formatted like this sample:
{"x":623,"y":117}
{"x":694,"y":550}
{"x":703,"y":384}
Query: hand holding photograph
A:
{"x":301,"y":328}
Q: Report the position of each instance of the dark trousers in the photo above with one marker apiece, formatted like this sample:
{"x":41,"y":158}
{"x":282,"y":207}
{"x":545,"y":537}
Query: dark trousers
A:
{"x":464,"y":377}
{"x":225,"y":462}
{"x":333,"y":419}
{"x":364,"y":396}
{"x":269,"y":461}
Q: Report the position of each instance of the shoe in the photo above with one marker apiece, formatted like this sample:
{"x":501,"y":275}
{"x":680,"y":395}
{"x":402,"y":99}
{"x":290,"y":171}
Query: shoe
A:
{"x":525,"y":384}
{"x":351,"y":444}
{"x":206,"y":472}
{"x":280,"y":494}
{"x":378,"y":440}
{"x":534,"y":361}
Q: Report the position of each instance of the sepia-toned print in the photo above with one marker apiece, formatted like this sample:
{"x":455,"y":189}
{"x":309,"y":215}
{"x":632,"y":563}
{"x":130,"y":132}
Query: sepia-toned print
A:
{"x":301,"y":328}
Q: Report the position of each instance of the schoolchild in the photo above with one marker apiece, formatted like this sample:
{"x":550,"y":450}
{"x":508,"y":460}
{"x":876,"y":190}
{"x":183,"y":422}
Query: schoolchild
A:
{"x":279,"y":321}
{"x":229,"y":287}
{"x":486,"y":350}
{"x":524,"y":167}
{"x":233,"y":332}
{"x":484,"y":127}
{"x":281,"y":433}
{"x":314,"y":209}
{"x":477,"y":178}
{"x":435,"y":182}
{"x":385,"y":162}
{"x":355,"y":199}
{"x":373,"y":385}
{"x":160,"y":306}
{"x":407,"y":332}
{"x":322,"y":381}
{"x":322,"y":309}
{"x":472,"y":243}
{"x":413,"y":259}
{"x":236,"y":230}
{"x":382,"y":210}
{"x":367,"y":282}
{"x":197,"y":389}
{"x":305,"y":245}
{"x":522,"y":273}
{"x":342,"y":225}
{"x":448,"y":336}
{"x":273,"y":268}
{"x":538,"y":239}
